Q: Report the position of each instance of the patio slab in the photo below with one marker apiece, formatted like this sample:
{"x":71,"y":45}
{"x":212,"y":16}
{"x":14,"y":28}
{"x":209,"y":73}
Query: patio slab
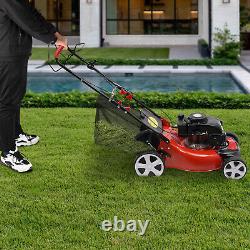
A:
{"x":184,"y":52}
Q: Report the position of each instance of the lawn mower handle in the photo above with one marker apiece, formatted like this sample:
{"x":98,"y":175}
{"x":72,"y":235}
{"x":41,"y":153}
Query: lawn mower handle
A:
{"x":91,"y":66}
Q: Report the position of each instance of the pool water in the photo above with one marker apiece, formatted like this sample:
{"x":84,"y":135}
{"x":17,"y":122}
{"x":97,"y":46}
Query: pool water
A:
{"x":172,"y":82}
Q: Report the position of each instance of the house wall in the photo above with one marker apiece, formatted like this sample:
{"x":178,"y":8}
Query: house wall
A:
{"x":226,"y":13}
{"x":221,"y":14}
{"x":90,"y":32}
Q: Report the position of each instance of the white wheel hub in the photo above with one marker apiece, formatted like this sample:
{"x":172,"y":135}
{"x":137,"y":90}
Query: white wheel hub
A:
{"x":149,"y":165}
{"x":235,"y":170}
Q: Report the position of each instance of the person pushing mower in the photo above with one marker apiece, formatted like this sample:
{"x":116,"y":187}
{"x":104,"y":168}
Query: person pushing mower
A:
{"x":19,"y":22}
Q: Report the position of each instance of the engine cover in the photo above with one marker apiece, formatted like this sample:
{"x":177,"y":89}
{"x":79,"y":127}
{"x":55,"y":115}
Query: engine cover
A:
{"x":201,"y":129}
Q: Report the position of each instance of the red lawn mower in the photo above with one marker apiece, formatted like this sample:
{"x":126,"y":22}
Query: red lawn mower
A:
{"x":198,"y":143}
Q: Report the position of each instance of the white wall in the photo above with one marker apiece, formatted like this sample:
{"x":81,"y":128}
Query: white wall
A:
{"x":90,"y":22}
{"x":226,"y":13}
{"x":203,"y":19}
{"x":150,"y":40}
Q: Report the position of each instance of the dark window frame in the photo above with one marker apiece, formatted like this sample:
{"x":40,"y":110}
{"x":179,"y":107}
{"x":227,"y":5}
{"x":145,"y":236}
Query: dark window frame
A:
{"x":153,"y":21}
{"x":57,"y":20}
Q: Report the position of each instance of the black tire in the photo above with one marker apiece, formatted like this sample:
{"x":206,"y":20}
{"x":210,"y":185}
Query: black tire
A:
{"x":234,"y":168}
{"x":155,"y":166}
{"x":234,"y":136}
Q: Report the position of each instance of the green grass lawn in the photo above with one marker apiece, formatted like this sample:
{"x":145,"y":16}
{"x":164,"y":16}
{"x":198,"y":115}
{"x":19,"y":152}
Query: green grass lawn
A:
{"x":111,"y":53}
{"x":75,"y":185}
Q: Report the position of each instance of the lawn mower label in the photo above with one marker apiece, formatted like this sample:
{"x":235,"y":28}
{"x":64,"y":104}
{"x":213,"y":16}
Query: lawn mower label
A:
{"x":153,"y":122}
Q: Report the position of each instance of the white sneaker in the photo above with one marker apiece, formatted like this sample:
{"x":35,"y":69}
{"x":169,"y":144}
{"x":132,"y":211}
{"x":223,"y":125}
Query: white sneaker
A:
{"x":16,"y":161}
{"x":27,"y":140}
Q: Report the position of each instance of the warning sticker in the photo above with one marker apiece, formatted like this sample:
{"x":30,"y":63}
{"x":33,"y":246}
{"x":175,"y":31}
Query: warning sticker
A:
{"x":153,"y":122}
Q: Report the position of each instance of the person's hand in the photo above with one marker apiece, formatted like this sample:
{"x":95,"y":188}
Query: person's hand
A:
{"x":61,"y":40}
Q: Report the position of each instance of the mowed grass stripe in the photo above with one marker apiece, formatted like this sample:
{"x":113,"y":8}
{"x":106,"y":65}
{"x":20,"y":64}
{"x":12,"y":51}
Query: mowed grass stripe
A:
{"x":76,"y":185}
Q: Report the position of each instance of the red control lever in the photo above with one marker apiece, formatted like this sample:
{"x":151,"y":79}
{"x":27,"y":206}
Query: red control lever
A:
{"x":58,"y":52}
{"x":123,"y":92}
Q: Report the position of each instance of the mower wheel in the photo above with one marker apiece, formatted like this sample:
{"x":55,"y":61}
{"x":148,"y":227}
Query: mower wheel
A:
{"x":234,"y":168}
{"x":233,"y":135}
{"x":149,"y":164}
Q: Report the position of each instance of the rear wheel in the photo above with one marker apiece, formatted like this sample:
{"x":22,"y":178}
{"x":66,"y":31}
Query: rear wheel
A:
{"x":149,"y":164}
{"x":234,"y":168}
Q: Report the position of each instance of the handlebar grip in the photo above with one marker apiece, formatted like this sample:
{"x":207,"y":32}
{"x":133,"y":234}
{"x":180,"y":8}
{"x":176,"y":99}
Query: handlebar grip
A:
{"x":58,"y":52}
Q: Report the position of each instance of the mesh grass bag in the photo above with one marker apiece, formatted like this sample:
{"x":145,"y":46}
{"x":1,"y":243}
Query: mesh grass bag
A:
{"x":115,"y":128}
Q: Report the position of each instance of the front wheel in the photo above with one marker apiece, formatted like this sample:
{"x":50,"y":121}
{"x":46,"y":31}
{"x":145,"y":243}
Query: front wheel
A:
{"x":149,"y":164}
{"x":234,"y":168}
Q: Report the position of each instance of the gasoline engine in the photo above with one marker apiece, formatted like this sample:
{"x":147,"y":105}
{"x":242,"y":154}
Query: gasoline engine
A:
{"x":201,"y":131}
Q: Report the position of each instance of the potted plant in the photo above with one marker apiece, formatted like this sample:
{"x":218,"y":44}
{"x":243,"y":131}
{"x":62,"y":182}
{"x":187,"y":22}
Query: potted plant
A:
{"x":203,"y":48}
{"x":245,"y":37}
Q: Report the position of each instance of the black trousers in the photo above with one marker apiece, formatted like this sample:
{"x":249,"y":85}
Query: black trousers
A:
{"x":13,"y":82}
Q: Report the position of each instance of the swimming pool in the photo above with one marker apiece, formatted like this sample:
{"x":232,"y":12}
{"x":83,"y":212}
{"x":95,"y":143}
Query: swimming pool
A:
{"x":171,"y":82}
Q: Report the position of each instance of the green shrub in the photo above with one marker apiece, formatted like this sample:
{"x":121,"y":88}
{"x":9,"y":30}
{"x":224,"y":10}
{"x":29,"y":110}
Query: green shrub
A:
{"x":51,"y":100}
{"x":178,"y":100}
{"x":206,"y":62}
{"x":202,"y":42}
{"x":228,"y":46}
{"x":229,"y":50}
{"x":244,"y":16}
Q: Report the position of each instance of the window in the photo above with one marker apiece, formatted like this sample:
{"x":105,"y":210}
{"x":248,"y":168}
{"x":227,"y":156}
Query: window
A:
{"x":64,"y":14}
{"x":159,"y":17}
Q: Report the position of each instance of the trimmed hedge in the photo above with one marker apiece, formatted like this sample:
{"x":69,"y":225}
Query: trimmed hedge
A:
{"x":154,"y":100}
{"x":103,"y":61}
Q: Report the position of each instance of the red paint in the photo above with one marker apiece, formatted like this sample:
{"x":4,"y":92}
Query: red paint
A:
{"x":232,"y":144}
{"x":187,"y":159}
{"x":123,"y":92}
{"x":129,"y":97}
{"x":128,"y":108}
{"x":58,"y":51}
{"x":165,"y":122}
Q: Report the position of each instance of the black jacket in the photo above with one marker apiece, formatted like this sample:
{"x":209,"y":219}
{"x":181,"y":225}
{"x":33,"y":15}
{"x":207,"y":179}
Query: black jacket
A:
{"x":19,"y":22}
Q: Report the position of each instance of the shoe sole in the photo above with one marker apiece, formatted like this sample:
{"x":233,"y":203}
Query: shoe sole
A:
{"x":10,"y":167}
{"x":27,"y":144}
